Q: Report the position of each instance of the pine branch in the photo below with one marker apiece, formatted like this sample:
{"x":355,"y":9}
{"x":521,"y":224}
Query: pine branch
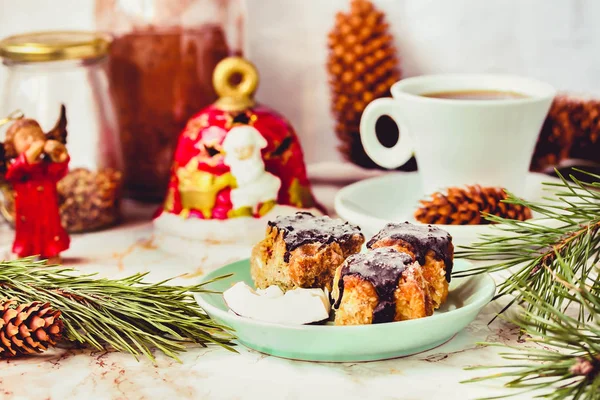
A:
{"x":536,"y":253}
{"x":127,"y":315}
{"x":566,"y":362}
{"x":554,"y":277}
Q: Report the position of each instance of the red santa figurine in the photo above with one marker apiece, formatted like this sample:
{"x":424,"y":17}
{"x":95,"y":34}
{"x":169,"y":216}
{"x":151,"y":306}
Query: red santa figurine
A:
{"x":238,"y":164}
{"x":35,"y":162}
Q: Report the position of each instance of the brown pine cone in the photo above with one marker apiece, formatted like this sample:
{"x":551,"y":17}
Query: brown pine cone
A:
{"x":362,"y":66}
{"x":89,"y":200}
{"x":464,"y":206}
{"x":28,"y":328}
{"x":571,"y":130}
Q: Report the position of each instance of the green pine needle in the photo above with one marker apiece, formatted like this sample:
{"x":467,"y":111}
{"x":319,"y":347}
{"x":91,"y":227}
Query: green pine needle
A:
{"x":536,"y":253}
{"x":565,"y":364}
{"x":555,"y":279}
{"x":127,"y":315}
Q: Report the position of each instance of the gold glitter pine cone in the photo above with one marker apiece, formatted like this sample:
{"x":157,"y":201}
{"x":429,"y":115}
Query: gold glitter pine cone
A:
{"x":28,"y":328}
{"x":89,"y":200}
{"x":362,"y":66}
{"x":463,"y":206}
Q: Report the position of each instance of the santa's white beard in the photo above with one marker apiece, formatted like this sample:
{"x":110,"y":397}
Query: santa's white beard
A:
{"x":246,"y":171}
{"x":254,"y":184}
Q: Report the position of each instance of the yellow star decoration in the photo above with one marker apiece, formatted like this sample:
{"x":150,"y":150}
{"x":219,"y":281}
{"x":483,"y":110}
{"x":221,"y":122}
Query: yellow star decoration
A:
{"x":300,"y":195}
{"x":248,"y":212}
{"x":266,"y":207}
{"x":194,"y":126}
{"x":240,"y":212}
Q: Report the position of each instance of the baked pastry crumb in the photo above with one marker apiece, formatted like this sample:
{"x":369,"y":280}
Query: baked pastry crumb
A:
{"x":431,"y":246}
{"x":382,"y":285}
{"x":303,"y":250}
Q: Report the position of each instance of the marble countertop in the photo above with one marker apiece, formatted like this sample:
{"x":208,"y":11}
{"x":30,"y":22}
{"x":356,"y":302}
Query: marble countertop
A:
{"x":215,"y":373}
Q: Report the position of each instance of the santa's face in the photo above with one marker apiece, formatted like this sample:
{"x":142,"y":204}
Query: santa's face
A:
{"x":244,"y":152}
{"x":243,"y":143}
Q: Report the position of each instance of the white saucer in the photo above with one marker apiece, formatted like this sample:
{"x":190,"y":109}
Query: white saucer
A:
{"x":374,"y":202}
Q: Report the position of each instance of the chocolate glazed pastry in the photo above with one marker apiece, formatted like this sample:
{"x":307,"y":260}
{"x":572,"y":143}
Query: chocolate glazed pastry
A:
{"x":430,"y":246}
{"x":382,"y":285}
{"x":303,"y":250}
{"x":303,"y":228}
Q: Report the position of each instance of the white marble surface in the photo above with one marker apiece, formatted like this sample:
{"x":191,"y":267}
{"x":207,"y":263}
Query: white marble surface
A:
{"x":215,"y":373}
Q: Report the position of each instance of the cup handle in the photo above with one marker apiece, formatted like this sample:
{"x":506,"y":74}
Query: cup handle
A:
{"x":392,"y":157}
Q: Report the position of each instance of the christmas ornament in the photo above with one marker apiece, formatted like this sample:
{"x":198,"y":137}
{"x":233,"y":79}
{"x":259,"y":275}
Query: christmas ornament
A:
{"x":553,"y":276}
{"x":35,"y":162}
{"x":571,"y":131}
{"x":362,"y":66}
{"x":237,"y":164}
{"x":28,"y":328}
{"x":464,"y":206}
{"x":127,"y":314}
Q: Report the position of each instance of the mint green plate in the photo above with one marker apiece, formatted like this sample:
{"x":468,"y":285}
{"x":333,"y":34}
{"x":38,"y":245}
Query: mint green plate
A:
{"x":349,"y":343}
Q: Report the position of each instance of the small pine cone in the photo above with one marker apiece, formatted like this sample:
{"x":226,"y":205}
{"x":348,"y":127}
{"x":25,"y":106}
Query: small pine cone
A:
{"x":464,"y":206}
{"x":89,"y":200}
{"x":362,"y":66}
{"x":571,"y":130}
{"x":28,"y":328}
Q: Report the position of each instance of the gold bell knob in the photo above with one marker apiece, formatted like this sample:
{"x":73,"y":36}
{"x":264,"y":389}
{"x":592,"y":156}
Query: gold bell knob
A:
{"x":235,"y":80}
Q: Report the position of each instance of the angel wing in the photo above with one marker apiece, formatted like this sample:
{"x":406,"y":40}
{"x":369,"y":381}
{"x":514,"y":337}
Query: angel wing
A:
{"x":59,"y":132}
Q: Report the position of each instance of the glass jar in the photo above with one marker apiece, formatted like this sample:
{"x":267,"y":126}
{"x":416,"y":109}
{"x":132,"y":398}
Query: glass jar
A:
{"x":162,"y":59}
{"x":50,"y":69}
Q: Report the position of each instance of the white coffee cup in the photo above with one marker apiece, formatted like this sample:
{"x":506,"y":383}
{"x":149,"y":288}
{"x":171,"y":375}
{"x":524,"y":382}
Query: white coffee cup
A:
{"x":456,"y":141}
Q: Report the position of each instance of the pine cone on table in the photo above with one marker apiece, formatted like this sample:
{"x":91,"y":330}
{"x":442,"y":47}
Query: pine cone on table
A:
{"x":463,"y":206}
{"x":362,"y":66}
{"x":28,"y":328}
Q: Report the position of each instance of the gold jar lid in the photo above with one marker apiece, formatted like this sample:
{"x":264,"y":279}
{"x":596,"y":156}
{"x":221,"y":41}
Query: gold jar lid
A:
{"x":54,"y":46}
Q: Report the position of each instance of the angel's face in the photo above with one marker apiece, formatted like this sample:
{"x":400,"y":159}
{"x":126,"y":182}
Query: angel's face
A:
{"x":26,"y":136}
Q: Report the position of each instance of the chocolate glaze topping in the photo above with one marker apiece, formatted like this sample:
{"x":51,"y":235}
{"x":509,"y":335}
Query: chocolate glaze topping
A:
{"x":382,"y":267}
{"x":304,"y":228}
{"x":422,"y":238}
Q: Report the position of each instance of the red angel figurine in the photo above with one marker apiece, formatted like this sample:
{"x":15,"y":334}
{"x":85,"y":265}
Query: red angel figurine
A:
{"x":35,"y":162}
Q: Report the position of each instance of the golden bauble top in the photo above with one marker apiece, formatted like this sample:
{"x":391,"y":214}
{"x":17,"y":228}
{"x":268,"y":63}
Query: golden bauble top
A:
{"x":235,"y":80}
{"x":54,"y":46}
